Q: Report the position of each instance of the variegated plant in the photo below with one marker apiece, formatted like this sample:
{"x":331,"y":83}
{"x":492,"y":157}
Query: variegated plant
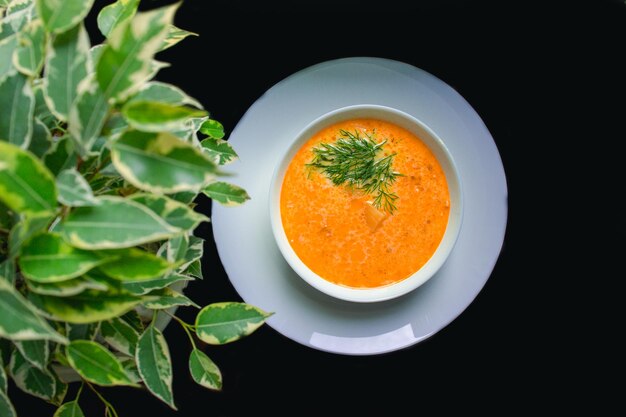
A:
{"x":99,"y":169}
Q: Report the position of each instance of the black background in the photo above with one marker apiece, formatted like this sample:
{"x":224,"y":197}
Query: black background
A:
{"x":546,"y":77}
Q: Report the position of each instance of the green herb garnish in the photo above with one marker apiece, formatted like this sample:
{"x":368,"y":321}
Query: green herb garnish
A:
{"x":351,"y":161}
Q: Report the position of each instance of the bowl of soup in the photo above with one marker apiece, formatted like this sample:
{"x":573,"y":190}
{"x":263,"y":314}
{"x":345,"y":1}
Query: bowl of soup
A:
{"x":366,"y":204}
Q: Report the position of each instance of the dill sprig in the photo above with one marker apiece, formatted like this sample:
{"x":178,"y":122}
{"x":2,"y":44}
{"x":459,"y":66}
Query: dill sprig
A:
{"x":351,"y":160}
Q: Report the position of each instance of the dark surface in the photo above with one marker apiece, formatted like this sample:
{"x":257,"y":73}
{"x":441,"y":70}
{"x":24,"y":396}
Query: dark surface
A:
{"x":539,"y":76}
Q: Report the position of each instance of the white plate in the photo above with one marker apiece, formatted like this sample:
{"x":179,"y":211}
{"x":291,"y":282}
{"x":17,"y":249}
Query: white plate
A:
{"x":249,"y":253}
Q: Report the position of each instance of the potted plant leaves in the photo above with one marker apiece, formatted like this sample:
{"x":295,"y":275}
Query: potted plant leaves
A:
{"x":100,"y":166}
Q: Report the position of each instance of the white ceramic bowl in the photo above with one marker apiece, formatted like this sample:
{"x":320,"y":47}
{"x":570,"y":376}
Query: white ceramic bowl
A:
{"x":446,"y":161}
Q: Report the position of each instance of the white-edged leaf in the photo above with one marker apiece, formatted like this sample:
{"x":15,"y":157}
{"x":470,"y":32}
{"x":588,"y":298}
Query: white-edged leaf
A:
{"x":61,"y":155}
{"x":29,"y":226}
{"x":175,"y":35}
{"x":26,"y":185}
{"x":82,"y":331}
{"x":126,"y":61}
{"x":115,"y":223}
{"x":195,"y":250}
{"x":87,"y":307}
{"x":204,"y":371}
{"x":7,"y":48}
{"x":164,"y":93}
{"x":145,"y":286}
{"x":19,"y":319}
{"x":61,"y":15}
{"x":37,"y":352}
{"x":134,"y":264}
{"x":226,"y":194}
{"x":174,"y":213}
{"x":17,"y":102}
{"x":116,"y":14}
{"x":28,"y":57}
{"x":3,"y":377}
{"x":194,"y":269}
{"x":48,"y":258}
{"x":74,"y":191}
{"x":67,"y":63}
{"x":96,"y":364}
{"x":41,"y":139}
{"x":176,"y":248}
{"x":120,"y":335}
{"x":161,"y":163}
{"x":69,"y":409}
{"x":220,"y":151}
{"x":213,"y":129}
{"x":7,"y":270}
{"x":155,"y":365}
{"x":33,"y":381}
{"x":167,"y":298}
{"x":87,"y":114}
{"x":222,"y":323}
{"x":6,"y":408}
{"x":60,"y":389}
{"x":66,"y":288}
{"x":155,"y":116}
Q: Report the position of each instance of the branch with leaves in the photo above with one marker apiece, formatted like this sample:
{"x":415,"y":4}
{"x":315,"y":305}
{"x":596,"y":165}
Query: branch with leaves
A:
{"x":99,"y":169}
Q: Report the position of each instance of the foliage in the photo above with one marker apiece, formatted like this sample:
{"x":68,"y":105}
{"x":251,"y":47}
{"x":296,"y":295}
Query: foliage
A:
{"x":99,"y":169}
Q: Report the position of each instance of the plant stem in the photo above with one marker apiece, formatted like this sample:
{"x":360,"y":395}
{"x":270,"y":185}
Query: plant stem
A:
{"x":80,"y":390}
{"x":186,"y":327}
{"x":108,"y":406}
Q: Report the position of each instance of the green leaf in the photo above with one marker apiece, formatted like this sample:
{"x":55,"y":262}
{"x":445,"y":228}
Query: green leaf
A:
{"x":204,"y":371}
{"x":96,"y":364}
{"x":6,"y":408}
{"x":115,"y":15}
{"x":82,"y":331}
{"x":60,"y":156}
{"x":7,"y":48}
{"x":19,"y":319}
{"x":120,"y":335}
{"x":41,"y":139}
{"x":134,"y":265}
{"x":174,"y":213}
{"x":131,"y":369}
{"x":185,"y":197}
{"x":61,"y":15}
{"x":66,"y":65}
{"x":226,"y":194}
{"x":29,"y":226}
{"x":155,"y":91}
{"x":87,"y":114}
{"x":134,"y":319}
{"x":126,"y":61}
{"x":176,"y":248}
{"x":28,"y":58}
{"x":26,"y":186}
{"x":167,"y":298}
{"x":17,"y":102}
{"x":175,"y":35}
{"x":87,"y":307}
{"x":66,"y":288}
{"x":37,"y":352}
{"x":221,"y":323}
{"x":154,"y":116}
{"x":161,"y":163}
{"x":194,"y":252}
{"x":33,"y":381}
{"x":114,"y":223}
{"x":3,"y":378}
{"x":145,"y":286}
{"x":74,"y":191}
{"x":195,"y":269}
{"x":47,"y":258}
{"x":42,"y":112}
{"x":69,"y":409}
{"x":60,"y":390}
{"x":7,"y":271}
{"x":219,"y":150}
{"x":213,"y":129}
{"x":155,"y":365}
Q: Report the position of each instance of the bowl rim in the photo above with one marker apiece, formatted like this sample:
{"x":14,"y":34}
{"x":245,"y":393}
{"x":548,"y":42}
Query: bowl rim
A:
{"x":445,"y":159}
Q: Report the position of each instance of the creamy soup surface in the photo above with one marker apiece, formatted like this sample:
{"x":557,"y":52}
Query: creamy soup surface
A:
{"x":339,"y":235}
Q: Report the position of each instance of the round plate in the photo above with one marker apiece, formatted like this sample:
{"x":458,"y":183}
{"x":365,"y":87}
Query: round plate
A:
{"x":246,"y":244}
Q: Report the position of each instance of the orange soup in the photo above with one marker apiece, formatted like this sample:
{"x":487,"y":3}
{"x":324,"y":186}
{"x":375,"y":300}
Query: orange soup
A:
{"x":337,"y":232}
